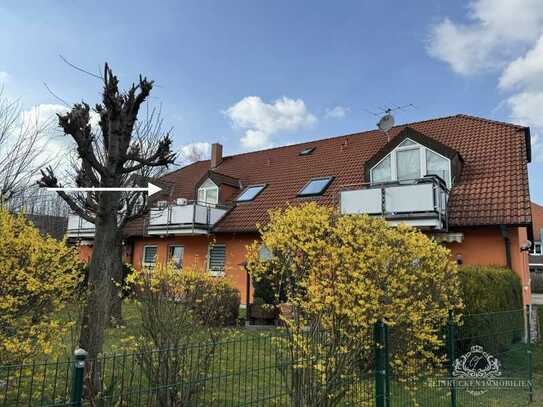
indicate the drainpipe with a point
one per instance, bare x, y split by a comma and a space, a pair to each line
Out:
507, 243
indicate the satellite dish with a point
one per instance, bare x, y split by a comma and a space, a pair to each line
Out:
386, 122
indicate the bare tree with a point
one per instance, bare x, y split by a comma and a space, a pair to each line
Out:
121, 152
22, 142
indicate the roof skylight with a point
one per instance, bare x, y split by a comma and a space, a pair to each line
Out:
250, 193
307, 151
315, 186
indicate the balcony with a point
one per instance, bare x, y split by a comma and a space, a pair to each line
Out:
421, 202
79, 227
192, 218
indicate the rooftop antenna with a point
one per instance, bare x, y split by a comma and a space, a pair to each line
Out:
386, 123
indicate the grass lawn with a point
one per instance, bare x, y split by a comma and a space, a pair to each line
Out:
244, 369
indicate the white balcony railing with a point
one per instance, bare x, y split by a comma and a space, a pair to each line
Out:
79, 227
421, 202
190, 218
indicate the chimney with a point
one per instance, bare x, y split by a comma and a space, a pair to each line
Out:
216, 155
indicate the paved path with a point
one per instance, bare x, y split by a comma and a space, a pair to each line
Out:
537, 299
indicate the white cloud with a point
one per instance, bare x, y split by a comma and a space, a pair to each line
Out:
194, 152
527, 109
525, 70
41, 116
505, 36
262, 120
337, 112
4, 77
496, 32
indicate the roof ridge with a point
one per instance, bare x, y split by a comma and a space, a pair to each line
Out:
484, 119
336, 137
515, 126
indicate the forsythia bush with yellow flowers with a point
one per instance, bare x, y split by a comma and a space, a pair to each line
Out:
38, 276
341, 275
182, 315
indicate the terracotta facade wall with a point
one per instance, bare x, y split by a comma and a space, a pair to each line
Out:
482, 246
195, 254
486, 247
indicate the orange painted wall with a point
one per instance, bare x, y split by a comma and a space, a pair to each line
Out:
85, 252
481, 246
485, 247
195, 253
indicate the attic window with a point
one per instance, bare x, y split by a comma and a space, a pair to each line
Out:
208, 193
410, 161
250, 193
307, 151
315, 186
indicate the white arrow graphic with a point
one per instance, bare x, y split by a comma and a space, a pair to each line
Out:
151, 189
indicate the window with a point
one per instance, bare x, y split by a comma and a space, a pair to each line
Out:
149, 256
175, 255
409, 161
250, 193
407, 143
382, 172
408, 164
536, 248
437, 165
315, 186
208, 193
307, 151
215, 259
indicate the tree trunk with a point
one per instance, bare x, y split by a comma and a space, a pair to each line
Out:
105, 260
116, 315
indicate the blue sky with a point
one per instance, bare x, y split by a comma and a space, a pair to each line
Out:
251, 74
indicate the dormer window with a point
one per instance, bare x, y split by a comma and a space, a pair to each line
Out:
411, 161
208, 193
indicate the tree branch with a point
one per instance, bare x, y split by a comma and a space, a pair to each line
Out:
49, 180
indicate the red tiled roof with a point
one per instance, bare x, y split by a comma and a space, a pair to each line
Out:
492, 189
537, 218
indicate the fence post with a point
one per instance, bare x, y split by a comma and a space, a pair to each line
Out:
529, 351
451, 343
78, 376
387, 367
380, 363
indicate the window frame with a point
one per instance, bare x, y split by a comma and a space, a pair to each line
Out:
143, 262
261, 186
169, 257
422, 162
535, 252
216, 273
205, 190
313, 179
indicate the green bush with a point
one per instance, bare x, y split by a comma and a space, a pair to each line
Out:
493, 313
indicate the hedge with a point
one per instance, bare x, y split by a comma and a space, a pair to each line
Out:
493, 314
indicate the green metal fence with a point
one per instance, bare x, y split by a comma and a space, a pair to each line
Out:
250, 370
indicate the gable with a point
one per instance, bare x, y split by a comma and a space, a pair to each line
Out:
409, 136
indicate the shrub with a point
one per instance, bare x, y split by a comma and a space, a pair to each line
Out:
126, 288
38, 277
181, 316
490, 289
266, 291
341, 275
493, 308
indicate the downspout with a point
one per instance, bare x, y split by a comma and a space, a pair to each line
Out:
507, 243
